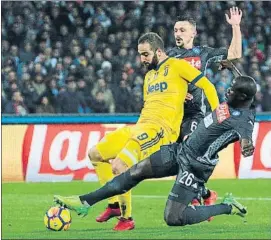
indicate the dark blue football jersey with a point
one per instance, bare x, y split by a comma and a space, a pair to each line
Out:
199, 57
216, 131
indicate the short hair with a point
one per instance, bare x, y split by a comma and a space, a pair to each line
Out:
186, 18
246, 85
153, 39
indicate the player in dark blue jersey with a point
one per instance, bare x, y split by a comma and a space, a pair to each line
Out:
199, 57
193, 161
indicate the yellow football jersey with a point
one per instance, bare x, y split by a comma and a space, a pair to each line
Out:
165, 89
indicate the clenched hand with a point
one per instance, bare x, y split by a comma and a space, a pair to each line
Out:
247, 147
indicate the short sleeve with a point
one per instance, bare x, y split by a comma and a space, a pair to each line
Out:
245, 129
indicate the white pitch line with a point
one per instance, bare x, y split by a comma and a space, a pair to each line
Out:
238, 198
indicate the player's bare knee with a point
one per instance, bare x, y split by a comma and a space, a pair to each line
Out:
94, 155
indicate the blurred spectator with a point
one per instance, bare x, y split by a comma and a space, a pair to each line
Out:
137, 101
3, 100
83, 88
266, 96
258, 100
39, 85
27, 54
106, 71
45, 44
52, 92
99, 104
16, 105
64, 37
107, 95
9, 83
30, 94
70, 100
123, 98
45, 106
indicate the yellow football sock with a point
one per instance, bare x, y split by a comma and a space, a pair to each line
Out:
125, 201
129, 155
104, 173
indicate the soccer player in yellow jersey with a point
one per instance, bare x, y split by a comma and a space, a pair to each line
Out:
165, 89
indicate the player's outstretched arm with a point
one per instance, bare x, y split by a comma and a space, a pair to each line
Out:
194, 76
230, 65
234, 19
209, 90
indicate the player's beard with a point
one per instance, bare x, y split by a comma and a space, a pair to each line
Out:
153, 63
179, 42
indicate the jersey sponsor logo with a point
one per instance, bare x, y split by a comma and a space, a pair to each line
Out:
222, 112
196, 50
157, 87
236, 113
194, 61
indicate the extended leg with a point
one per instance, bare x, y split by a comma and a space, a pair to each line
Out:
178, 213
153, 167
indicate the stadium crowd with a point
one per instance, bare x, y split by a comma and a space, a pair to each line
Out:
81, 57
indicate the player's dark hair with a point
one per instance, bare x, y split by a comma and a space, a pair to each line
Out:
246, 85
187, 18
153, 39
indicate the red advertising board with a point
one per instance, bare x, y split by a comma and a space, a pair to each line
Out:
258, 165
59, 152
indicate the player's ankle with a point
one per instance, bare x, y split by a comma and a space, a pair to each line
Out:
207, 194
84, 201
127, 218
114, 205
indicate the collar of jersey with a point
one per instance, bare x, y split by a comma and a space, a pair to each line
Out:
240, 108
159, 65
188, 48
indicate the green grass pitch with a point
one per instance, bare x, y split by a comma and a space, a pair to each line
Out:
24, 205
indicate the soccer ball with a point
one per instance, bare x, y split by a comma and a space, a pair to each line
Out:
57, 219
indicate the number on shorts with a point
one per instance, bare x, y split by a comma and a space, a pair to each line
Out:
187, 178
143, 136
194, 126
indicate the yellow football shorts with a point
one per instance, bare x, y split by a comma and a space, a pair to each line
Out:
149, 138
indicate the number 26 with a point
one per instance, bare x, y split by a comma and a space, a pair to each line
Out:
187, 178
